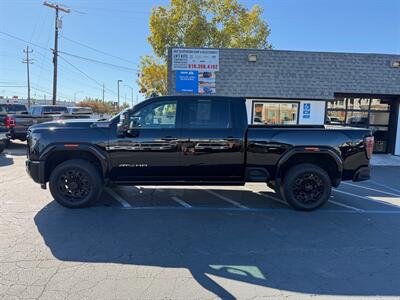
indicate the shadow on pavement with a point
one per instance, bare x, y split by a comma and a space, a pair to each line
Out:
5, 160
16, 148
316, 253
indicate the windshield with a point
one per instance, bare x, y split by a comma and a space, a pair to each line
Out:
81, 110
11, 108
55, 109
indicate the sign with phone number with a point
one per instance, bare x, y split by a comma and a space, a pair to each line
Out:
195, 59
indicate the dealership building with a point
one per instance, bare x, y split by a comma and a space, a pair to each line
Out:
298, 87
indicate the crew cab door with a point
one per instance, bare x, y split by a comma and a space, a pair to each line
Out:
211, 141
149, 151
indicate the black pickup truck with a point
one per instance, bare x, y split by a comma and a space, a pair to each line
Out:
194, 140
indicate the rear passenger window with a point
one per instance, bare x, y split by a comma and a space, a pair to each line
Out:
206, 114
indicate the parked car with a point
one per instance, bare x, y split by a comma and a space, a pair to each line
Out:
17, 120
194, 140
3, 140
80, 111
46, 113
3, 129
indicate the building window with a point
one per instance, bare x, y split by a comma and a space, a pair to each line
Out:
275, 113
365, 112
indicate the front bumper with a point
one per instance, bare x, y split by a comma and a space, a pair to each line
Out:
363, 173
36, 170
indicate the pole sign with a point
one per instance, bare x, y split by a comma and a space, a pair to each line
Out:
306, 110
205, 60
187, 81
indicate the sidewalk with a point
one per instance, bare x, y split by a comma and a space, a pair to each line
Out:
385, 160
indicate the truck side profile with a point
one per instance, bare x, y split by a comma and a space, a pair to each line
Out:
187, 140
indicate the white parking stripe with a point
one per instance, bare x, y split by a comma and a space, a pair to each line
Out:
346, 206
117, 197
283, 202
233, 202
181, 202
383, 185
371, 189
267, 196
367, 198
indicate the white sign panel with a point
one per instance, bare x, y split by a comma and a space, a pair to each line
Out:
195, 59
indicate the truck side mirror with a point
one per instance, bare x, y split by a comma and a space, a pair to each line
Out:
123, 124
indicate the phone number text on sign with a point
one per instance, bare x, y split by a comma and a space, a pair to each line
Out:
195, 59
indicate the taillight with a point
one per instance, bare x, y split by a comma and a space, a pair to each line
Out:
10, 122
369, 145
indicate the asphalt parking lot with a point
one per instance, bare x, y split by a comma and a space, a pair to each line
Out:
174, 242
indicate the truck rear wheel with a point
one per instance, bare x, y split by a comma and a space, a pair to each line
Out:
75, 183
306, 187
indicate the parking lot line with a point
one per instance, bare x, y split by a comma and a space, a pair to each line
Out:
233, 202
181, 202
366, 198
117, 197
346, 206
384, 185
267, 196
371, 189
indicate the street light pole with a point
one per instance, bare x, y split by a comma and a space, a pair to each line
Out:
76, 93
118, 82
131, 92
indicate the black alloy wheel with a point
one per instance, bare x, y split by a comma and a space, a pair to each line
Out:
306, 187
75, 183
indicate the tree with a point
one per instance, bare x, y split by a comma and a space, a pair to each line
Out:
153, 77
199, 23
98, 106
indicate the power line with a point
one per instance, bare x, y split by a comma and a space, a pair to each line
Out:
70, 54
98, 61
22, 40
86, 75
95, 49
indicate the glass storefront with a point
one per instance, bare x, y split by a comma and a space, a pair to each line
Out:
274, 113
366, 112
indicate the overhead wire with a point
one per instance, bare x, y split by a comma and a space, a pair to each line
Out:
95, 49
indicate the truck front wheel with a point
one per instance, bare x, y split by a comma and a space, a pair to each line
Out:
75, 183
306, 187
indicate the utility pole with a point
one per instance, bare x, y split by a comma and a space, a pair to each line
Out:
103, 92
28, 61
118, 82
55, 50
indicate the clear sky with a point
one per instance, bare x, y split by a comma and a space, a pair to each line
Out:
120, 28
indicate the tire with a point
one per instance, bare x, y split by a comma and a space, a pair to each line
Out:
2, 146
306, 187
76, 183
274, 186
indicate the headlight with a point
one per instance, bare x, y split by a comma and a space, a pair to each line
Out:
33, 143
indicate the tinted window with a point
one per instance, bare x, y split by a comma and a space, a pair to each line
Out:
14, 107
206, 114
155, 115
54, 109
